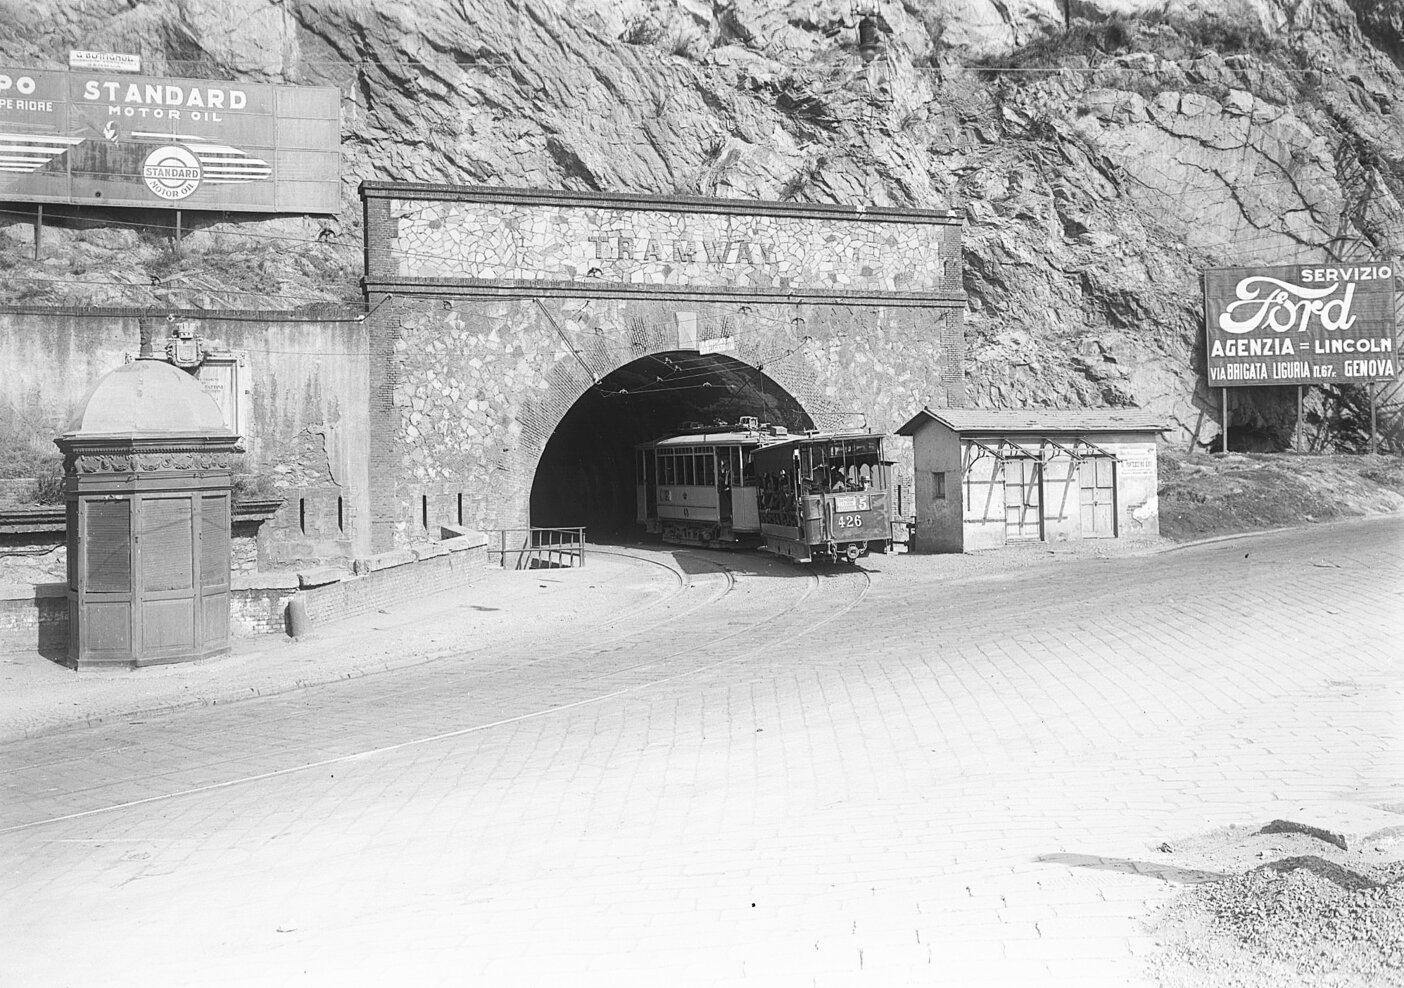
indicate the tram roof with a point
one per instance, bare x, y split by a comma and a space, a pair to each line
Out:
817, 438
732, 438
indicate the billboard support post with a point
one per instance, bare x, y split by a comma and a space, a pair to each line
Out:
38, 230
178, 231
1223, 444
1373, 385
1297, 433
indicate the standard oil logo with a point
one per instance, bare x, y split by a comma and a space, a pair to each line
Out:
171, 172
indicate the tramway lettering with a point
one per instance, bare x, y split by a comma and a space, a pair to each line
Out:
618, 247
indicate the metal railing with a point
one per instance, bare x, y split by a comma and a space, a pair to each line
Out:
538, 548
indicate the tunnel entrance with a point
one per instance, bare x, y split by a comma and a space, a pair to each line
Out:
586, 473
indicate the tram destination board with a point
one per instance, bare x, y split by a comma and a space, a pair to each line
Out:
114, 139
1330, 323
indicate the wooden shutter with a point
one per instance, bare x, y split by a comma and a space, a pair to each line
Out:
214, 541
108, 549
167, 538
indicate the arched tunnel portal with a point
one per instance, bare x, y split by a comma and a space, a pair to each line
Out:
586, 472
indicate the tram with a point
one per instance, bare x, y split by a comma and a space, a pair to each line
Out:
811, 496
699, 488
824, 496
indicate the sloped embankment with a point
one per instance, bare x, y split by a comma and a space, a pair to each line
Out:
1203, 495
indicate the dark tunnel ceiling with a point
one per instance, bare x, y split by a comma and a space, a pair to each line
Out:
586, 473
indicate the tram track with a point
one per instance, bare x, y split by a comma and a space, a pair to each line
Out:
529, 653
721, 641
683, 582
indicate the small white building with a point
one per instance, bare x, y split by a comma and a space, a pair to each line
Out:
987, 478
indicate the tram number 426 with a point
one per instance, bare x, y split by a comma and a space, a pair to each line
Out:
848, 521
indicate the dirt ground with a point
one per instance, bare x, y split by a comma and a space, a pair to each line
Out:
1286, 908
1203, 495
1283, 908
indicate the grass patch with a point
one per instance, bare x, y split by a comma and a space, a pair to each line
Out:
1087, 41
1203, 495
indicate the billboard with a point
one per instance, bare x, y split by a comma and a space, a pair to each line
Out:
1300, 324
111, 139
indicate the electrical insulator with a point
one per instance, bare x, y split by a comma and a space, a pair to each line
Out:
868, 41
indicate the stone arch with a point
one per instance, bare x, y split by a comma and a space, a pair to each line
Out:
585, 473
494, 310
755, 341
467, 391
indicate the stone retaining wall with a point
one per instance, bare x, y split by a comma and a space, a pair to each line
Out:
35, 618
394, 577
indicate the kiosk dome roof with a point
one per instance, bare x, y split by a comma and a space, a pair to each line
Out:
146, 398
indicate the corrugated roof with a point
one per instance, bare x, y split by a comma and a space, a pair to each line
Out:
1034, 420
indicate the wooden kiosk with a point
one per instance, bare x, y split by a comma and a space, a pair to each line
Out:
147, 459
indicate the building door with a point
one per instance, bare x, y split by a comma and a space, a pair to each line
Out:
1097, 480
1023, 510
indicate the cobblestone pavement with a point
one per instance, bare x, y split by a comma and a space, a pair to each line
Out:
880, 776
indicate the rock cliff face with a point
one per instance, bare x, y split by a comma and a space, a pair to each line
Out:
1104, 151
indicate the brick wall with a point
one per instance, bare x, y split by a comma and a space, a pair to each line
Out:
258, 611
396, 577
34, 618
37, 617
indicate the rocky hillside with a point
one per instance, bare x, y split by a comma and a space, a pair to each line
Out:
1104, 151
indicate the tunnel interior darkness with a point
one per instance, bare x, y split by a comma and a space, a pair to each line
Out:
586, 473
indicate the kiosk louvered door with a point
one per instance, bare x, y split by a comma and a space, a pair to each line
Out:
167, 567
106, 567
214, 569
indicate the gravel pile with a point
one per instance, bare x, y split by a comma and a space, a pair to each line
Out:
1300, 920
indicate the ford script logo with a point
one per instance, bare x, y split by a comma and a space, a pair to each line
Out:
1269, 304
171, 172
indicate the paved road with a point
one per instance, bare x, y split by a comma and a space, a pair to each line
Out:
771, 778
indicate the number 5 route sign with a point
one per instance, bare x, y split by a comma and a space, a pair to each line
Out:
1300, 324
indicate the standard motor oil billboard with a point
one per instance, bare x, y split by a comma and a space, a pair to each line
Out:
125, 140
1300, 324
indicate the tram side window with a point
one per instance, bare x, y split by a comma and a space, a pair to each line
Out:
665, 463
709, 464
686, 465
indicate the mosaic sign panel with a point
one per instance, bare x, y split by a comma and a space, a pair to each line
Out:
1300, 324
122, 140
873, 252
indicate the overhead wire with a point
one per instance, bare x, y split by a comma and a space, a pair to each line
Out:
1184, 190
